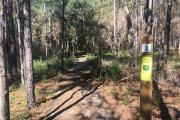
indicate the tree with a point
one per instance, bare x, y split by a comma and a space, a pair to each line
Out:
148, 16
11, 42
62, 33
4, 96
46, 20
20, 36
28, 55
167, 30
114, 25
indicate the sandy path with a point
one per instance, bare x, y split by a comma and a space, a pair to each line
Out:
78, 97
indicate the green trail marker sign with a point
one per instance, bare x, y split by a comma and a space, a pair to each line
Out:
146, 68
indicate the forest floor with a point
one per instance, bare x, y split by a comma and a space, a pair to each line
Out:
76, 96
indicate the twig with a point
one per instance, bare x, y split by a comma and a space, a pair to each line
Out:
128, 77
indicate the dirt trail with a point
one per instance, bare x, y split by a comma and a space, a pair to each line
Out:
78, 97
72, 92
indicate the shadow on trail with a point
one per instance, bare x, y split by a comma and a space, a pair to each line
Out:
79, 76
177, 115
100, 117
66, 89
163, 108
55, 112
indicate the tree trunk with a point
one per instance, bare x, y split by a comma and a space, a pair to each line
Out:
114, 27
137, 32
46, 27
148, 16
62, 37
167, 31
28, 55
21, 42
4, 96
11, 42
20, 36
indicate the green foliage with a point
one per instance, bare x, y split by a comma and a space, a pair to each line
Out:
69, 62
108, 55
126, 97
40, 69
23, 116
175, 61
93, 66
49, 92
90, 57
15, 85
115, 71
47, 69
156, 101
125, 100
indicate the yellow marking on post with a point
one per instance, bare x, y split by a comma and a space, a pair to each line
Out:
146, 68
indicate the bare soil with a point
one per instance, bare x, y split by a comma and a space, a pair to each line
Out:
75, 96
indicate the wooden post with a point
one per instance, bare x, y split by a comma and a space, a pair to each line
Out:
146, 77
146, 64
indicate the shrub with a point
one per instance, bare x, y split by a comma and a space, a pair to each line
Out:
40, 68
47, 69
126, 97
69, 62
114, 71
23, 116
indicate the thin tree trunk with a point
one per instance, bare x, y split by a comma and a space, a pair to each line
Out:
62, 37
20, 37
148, 17
114, 24
28, 55
4, 96
46, 20
167, 31
137, 32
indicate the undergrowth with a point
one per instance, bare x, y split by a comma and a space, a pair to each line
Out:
46, 69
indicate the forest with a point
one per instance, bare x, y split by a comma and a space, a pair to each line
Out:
89, 59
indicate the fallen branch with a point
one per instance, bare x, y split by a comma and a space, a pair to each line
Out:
123, 79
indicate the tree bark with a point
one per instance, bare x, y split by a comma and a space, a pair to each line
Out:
148, 16
46, 27
20, 37
11, 42
114, 27
62, 36
167, 31
28, 55
4, 96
